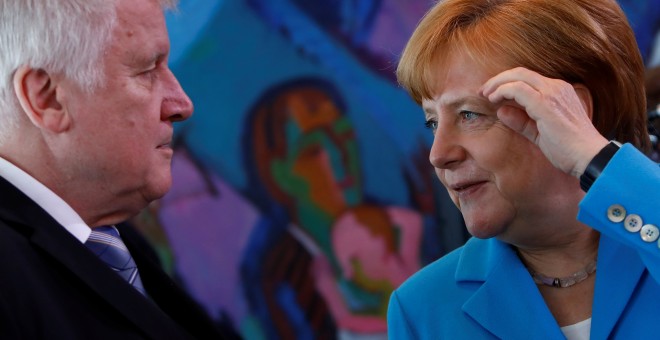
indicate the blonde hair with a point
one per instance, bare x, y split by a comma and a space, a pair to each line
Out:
579, 41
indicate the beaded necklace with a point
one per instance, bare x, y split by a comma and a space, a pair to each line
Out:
564, 282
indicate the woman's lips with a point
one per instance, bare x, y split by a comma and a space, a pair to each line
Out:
466, 189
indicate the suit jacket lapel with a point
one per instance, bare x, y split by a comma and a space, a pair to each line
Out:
610, 299
45, 233
508, 303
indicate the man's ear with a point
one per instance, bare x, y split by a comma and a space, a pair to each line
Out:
37, 94
585, 97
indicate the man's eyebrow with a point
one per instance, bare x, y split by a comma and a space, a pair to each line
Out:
142, 60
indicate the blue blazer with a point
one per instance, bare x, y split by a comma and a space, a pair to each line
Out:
483, 291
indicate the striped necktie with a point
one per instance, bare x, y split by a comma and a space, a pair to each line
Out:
106, 243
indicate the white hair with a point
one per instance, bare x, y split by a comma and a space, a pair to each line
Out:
66, 37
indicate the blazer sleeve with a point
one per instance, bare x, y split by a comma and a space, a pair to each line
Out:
631, 181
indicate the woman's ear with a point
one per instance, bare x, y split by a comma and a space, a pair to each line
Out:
585, 97
37, 94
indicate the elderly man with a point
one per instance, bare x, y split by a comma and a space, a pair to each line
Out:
87, 104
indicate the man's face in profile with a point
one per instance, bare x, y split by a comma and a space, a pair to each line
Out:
124, 129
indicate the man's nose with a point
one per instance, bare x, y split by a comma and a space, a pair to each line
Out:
176, 105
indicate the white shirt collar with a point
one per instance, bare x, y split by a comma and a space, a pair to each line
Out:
46, 199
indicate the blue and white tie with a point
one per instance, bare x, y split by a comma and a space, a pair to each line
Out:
106, 243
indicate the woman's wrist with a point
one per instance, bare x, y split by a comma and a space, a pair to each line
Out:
587, 152
597, 164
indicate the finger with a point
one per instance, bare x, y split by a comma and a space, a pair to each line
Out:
517, 120
532, 78
521, 93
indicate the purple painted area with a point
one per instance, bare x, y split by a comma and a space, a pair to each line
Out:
208, 225
393, 25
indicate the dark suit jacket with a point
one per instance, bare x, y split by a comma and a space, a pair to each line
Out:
52, 287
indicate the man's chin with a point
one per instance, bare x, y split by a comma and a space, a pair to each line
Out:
157, 189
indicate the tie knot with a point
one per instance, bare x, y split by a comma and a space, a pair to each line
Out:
105, 235
107, 229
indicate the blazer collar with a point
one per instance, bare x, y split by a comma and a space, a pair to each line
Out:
508, 303
45, 233
498, 306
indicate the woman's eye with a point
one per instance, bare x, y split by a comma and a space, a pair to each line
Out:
469, 115
431, 125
